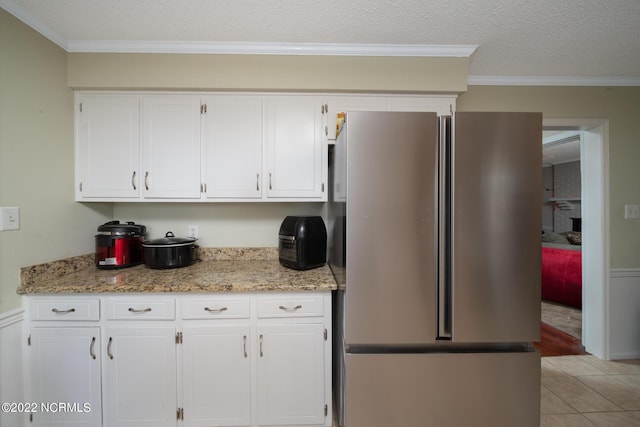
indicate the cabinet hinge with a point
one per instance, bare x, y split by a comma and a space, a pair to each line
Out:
326, 410
29, 340
325, 334
180, 414
178, 337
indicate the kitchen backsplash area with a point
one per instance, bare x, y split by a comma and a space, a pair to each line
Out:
219, 224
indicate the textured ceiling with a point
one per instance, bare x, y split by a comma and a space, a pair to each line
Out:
592, 40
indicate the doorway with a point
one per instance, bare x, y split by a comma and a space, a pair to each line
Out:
594, 162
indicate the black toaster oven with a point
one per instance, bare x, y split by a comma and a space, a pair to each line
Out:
302, 242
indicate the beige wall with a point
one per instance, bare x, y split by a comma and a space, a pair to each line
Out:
36, 137
36, 157
267, 72
621, 106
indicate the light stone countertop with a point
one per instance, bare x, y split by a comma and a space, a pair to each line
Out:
215, 273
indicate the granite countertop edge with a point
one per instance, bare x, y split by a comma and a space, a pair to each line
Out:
217, 271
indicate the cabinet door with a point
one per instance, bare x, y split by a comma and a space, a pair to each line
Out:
296, 156
140, 376
65, 367
171, 147
291, 374
443, 105
232, 146
107, 146
217, 376
340, 104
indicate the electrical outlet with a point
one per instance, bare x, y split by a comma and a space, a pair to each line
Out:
193, 231
631, 211
9, 219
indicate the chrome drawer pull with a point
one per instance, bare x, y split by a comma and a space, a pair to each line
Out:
142, 310
91, 352
297, 307
216, 310
109, 348
244, 345
56, 311
261, 353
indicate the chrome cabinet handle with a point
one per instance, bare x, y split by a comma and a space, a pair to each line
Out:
244, 345
139, 310
146, 180
133, 180
70, 310
261, 353
297, 307
270, 186
216, 310
91, 352
109, 348
257, 182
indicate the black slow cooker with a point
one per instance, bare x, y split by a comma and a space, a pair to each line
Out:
119, 245
170, 252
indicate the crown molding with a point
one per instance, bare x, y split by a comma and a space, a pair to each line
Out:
475, 80
240, 48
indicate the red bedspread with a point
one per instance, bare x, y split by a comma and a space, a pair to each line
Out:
562, 276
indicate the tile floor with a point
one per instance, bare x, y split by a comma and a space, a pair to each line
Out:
584, 391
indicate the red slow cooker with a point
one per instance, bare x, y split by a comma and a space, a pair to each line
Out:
119, 245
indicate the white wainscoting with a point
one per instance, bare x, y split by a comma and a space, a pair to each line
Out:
624, 314
11, 367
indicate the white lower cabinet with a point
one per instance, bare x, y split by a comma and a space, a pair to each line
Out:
216, 375
176, 360
65, 376
291, 374
140, 376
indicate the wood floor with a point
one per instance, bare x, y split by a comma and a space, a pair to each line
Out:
554, 342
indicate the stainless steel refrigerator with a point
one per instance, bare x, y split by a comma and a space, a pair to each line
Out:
435, 244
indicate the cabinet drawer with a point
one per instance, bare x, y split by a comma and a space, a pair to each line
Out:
65, 309
148, 309
291, 306
216, 308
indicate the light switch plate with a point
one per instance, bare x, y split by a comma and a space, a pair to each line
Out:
631, 211
9, 219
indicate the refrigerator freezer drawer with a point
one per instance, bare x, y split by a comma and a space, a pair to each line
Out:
442, 390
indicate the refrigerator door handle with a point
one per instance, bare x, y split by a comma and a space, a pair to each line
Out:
445, 188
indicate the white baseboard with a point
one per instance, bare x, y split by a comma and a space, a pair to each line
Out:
624, 313
11, 367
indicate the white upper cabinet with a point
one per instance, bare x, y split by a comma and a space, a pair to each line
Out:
216, 147
296, 164
339, 104
443, 104
332, 105
107, 146
232, 147
171, 147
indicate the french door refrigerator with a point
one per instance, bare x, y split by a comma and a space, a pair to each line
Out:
435, 245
